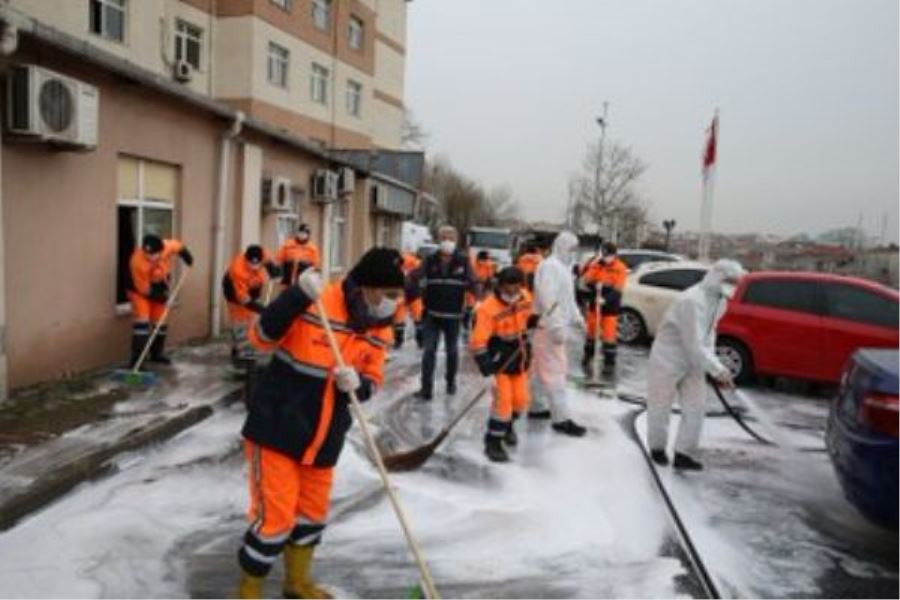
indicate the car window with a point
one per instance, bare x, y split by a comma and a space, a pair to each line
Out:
634, 260
799, 296
844, 301
673, 279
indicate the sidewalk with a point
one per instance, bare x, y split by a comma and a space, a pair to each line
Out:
55, 436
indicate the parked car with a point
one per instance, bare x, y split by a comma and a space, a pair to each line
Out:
633, 259
648, 294
804, 325
862, 434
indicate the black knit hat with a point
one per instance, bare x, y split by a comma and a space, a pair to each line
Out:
254, 253
304, 228
510, 275
152, 244
609, 249
483, 255
380, 268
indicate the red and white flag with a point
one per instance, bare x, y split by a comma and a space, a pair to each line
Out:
709, 155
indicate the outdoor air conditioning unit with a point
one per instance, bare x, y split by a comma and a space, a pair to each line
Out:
347, 181
45, 106
276, 195
325, 185
377, 196
183, 71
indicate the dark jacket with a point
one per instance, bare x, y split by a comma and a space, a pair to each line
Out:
442, 285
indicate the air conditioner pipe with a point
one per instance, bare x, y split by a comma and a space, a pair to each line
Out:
218, 270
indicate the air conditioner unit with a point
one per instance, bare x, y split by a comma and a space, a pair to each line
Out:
325, 185
377, 196
45, 106
183, 71
347, 181
276, 195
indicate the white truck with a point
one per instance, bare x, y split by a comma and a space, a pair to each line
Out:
496, 240
413, 236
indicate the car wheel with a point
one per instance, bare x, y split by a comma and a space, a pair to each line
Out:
736, 357
632, 329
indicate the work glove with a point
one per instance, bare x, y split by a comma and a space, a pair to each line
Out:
186, 256
533, 321
273, 270
486, 364
346, 379
310, 283
159, 291
256, 306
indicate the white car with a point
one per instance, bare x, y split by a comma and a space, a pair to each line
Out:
649, 292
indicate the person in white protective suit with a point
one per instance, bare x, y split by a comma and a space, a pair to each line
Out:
683, 354
554, 285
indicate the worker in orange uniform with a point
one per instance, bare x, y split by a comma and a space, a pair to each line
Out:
528, 262
485, 270
609, 274
149, 291
501, 329
242, 286
296, 255
298, 415
410, 263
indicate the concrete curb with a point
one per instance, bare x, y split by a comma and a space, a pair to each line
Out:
57, 482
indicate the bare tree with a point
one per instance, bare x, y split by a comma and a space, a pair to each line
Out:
602, 196
464, 203
412, 135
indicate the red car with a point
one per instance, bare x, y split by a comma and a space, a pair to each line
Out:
804, 325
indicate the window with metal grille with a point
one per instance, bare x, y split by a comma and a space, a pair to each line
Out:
321, 13
107, 19
355, 33
278, 60
354, 98
319, 84
188, 43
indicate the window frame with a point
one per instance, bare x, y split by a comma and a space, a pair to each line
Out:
354, 98
277, 57
340, 217
321, 14
673, 272
318, 81
100, 28
829, 287
140, 203
182, 39
356, 24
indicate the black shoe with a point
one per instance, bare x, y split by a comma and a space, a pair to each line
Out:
686, 463
494, 450
451, 388
539, 414
511, 438
659, 457
570, 427
424, 395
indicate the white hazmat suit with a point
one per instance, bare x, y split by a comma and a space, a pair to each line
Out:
683, 353
554, 285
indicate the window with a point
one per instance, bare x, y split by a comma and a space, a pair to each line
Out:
784, 294
674, 279
108, 19
355, 33
285, 226
354, 97
188, 42
843, 301
319, 84
147, 194
278, 65
338, 250
321, 13
283, 4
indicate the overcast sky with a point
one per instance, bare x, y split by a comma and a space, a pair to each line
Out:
807, 91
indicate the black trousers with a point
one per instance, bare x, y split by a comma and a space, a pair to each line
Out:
431, 333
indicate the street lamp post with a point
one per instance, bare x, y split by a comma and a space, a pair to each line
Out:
668, 225
598, 201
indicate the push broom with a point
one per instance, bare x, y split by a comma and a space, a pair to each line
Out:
595, 381
134, 376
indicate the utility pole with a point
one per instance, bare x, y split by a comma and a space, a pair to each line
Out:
668, 225
598, 201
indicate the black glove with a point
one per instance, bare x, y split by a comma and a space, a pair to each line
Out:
533, 321
399, 336
186, 256
256, 306
273, 270
159, 291
486, 364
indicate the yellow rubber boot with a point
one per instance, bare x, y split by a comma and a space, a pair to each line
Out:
250, 586
298, 581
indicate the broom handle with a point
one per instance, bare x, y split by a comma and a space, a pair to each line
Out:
427, 581
597, 313
161, 322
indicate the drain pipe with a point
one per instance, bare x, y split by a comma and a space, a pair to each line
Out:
218, 231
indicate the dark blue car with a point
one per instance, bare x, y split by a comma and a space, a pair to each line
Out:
862, 434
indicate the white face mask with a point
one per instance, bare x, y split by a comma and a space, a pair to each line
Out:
302, 237
510, 299
608, 260
728, 290
448, 246
384, 309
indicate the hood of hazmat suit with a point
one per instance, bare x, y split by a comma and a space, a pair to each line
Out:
553, 284
685, 342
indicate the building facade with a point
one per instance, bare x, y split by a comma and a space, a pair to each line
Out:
213, 121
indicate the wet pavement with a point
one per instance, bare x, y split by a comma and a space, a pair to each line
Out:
566, 518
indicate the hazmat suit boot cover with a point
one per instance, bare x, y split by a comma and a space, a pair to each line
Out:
250, 586
494, 450
298, 581
686, 463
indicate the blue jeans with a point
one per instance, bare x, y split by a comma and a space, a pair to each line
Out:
432, 330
